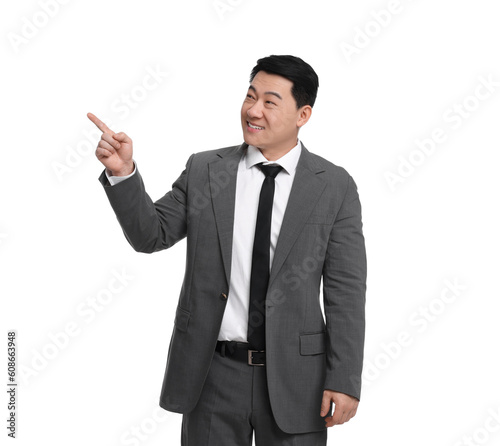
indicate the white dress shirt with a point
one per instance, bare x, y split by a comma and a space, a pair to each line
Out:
248, 185
249, 181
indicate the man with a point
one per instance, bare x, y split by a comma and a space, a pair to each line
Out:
265, 221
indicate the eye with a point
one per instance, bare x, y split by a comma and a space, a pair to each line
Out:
270, 102
249, 96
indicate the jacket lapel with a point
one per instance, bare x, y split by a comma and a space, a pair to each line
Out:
222, 177
307, 187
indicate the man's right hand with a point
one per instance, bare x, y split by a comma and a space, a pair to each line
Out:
114, 150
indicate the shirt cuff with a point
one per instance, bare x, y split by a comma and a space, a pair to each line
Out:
115, 180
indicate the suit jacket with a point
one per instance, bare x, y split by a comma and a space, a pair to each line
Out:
321, 238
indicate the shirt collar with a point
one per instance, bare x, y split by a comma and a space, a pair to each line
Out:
288, 161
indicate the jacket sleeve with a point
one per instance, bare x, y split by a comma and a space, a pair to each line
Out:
344, 288
149, 226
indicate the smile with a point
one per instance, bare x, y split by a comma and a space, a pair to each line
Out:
254, 126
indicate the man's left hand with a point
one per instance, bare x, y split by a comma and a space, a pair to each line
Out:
345, 407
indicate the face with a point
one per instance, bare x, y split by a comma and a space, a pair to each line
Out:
269, 114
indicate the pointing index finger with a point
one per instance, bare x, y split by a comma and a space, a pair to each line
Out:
100, 125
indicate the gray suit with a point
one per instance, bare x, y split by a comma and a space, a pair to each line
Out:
321, 238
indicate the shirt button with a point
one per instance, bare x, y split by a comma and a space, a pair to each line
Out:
223, 296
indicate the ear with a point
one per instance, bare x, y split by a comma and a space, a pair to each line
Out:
303, 115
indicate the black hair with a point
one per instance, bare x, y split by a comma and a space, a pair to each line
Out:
304, 78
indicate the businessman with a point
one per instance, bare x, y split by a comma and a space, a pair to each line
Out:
266, 223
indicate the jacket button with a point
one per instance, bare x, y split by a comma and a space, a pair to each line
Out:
223, 296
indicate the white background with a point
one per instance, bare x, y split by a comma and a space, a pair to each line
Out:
429, 380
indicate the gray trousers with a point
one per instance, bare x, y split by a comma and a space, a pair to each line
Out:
234, 404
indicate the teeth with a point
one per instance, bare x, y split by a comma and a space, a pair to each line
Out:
255, 127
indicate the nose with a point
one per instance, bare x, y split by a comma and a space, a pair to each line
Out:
255, 111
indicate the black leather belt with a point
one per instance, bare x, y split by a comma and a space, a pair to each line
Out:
241, 352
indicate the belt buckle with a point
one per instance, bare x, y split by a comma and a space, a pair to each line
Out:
250, 357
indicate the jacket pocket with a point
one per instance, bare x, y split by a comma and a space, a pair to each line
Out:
182, 319
312, 343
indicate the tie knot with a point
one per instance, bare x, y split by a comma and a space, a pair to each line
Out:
270, 171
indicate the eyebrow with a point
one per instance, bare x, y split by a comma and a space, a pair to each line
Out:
266, 92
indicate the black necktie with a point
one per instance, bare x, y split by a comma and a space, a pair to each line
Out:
260, 261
